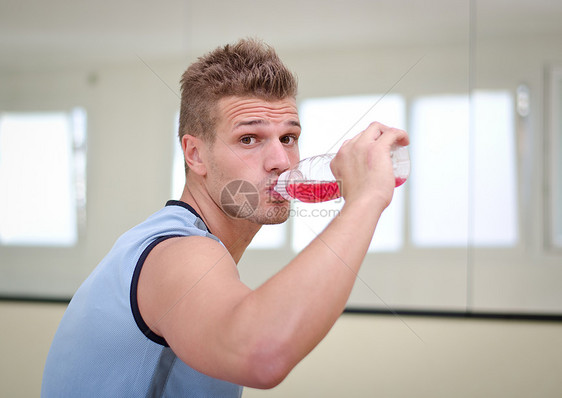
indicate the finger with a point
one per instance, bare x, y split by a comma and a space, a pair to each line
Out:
394, 136
371, 133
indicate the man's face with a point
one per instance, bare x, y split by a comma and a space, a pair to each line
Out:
255, 142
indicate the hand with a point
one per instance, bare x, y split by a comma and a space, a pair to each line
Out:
363, 165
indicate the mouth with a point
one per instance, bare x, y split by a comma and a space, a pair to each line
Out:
273, 195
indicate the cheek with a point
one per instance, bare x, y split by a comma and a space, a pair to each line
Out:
294, 156
224, 160
227, 168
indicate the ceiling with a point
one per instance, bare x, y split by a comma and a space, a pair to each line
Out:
42, 34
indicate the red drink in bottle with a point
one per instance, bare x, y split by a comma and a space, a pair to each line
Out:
311, 180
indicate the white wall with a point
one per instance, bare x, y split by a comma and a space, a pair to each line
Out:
362, 356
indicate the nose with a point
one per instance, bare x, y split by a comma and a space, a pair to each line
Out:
276, 158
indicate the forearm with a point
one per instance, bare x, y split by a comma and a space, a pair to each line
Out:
297, 307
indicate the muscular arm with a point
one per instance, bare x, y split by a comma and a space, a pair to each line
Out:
190, 293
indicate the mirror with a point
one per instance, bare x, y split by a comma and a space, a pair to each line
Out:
476, 83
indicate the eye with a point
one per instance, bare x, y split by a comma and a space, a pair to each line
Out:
288, 139
248, 140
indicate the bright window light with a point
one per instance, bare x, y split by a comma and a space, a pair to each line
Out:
42, 177
178, 166
458, 199
439, 175
495, 170
269, 237
326, 123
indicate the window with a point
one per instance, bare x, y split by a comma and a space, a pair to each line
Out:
178, 166
463, 190
42, 177
326, 123
456, 196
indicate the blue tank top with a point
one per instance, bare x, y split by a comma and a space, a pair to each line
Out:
103, 347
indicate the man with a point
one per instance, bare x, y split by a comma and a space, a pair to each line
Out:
165, 314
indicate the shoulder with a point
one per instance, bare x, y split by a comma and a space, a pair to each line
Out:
176, 268
186, 250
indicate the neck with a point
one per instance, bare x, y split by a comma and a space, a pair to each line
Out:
235, 234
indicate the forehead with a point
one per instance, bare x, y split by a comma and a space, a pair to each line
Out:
233, 110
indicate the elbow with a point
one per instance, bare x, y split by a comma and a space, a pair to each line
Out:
268, 365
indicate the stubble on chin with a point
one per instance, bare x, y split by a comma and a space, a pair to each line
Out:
271, 214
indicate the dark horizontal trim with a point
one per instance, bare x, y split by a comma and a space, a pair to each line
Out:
36, 299
511, 316
515, 316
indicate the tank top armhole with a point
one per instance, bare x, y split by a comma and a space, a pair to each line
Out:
141, 324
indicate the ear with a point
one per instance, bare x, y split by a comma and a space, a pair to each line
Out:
193, 149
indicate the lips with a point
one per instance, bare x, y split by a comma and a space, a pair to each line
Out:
273, 195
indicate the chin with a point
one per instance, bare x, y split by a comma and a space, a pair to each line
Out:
277, 213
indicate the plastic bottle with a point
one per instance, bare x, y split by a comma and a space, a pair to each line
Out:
312, 181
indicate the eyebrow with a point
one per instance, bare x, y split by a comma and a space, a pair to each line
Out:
257, 122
